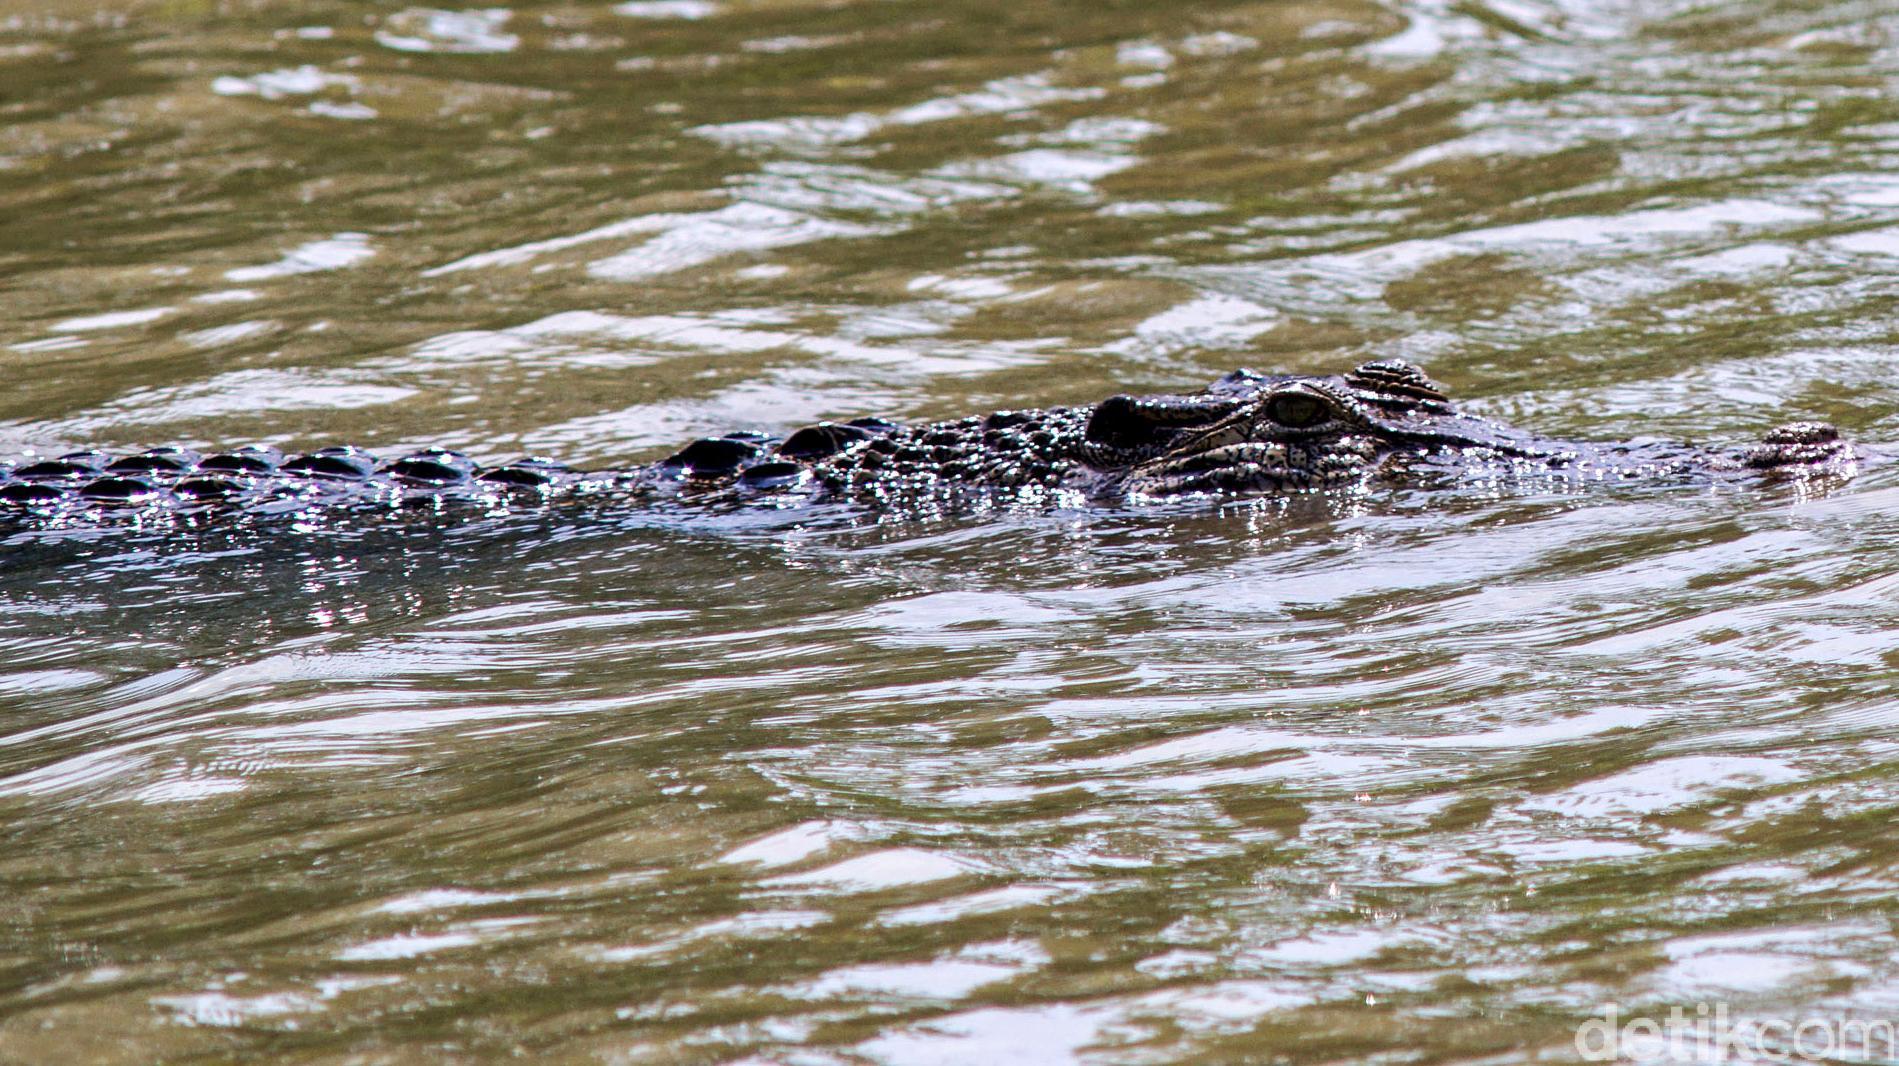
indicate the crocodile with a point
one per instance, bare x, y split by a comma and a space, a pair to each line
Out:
1246, 434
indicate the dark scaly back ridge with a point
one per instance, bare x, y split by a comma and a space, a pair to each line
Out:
1124, 430
1395, 384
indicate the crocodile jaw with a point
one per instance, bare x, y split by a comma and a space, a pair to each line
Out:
1256, 468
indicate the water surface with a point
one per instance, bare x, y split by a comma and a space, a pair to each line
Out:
1393, 776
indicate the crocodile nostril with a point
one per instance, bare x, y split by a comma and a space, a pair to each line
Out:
1802, 433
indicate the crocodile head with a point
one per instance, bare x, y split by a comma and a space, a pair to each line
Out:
1260, 434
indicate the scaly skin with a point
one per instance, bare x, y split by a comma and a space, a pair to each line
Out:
1248, 434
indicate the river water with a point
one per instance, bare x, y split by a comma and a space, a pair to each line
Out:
1400, 776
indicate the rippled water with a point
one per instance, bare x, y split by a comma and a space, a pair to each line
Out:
1397, 777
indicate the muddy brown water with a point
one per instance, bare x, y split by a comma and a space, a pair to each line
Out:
1390, 776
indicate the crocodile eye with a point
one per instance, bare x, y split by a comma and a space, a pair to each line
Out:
1296, 410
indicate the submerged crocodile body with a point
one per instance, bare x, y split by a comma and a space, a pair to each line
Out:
1247, 434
